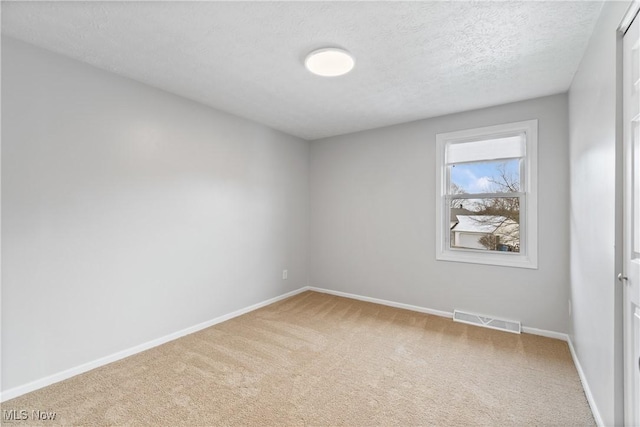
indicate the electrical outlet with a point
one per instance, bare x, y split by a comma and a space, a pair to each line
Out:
285, 274
569, 307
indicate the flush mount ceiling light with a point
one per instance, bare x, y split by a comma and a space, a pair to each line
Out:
329, 62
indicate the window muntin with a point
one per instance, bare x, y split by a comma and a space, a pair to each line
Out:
487, 201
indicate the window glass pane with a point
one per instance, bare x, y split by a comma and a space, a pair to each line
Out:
502, 176
491, 224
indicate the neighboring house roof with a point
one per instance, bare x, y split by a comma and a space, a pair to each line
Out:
481, 223
454, 215
459, 211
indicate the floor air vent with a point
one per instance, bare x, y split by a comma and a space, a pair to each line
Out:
487, 322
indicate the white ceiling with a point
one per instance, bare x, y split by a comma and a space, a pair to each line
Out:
413, 59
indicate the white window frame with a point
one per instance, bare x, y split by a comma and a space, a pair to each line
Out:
528, 255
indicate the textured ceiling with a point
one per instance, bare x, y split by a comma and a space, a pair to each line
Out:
413, 59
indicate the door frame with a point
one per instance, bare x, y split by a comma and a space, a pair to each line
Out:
621, 194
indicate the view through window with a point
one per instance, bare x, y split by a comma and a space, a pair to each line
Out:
492, 220
487, 195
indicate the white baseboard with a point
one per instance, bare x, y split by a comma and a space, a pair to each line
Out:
527, 330
585, 385
60, 376
544, 333
383, 302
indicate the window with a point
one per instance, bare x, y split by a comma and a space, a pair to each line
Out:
486, 195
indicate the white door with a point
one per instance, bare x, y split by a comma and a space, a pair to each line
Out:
630, 276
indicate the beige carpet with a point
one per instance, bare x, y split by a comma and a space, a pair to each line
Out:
317, 359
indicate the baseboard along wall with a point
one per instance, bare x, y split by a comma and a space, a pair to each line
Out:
68, 373
585, 385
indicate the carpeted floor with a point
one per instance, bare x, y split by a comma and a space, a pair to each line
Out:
316, 359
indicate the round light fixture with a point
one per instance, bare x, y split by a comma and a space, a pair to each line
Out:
329, 62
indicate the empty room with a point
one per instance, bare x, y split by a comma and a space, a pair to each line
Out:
421, 213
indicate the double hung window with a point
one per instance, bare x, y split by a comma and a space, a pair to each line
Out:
487, 195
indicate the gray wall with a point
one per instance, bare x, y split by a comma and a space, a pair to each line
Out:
372, 225
595, 322
129, 213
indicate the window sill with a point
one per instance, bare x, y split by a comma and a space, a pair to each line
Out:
500, 260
